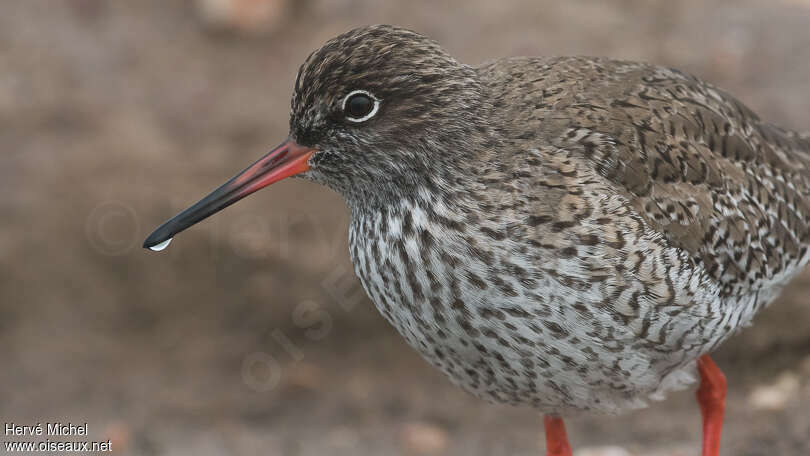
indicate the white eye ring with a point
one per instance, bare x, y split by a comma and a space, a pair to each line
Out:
371, 114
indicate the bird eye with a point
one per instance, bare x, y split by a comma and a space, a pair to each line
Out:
360, 106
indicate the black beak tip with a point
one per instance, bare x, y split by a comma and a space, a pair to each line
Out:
157, 237
150, 241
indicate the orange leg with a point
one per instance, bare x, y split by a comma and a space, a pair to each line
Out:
711, 396
556, 438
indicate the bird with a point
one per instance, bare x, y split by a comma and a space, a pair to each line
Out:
572, 234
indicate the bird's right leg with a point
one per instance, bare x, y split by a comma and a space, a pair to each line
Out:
711, 396
556, 438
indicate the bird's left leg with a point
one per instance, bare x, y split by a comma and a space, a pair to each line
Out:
556, 438
711, 396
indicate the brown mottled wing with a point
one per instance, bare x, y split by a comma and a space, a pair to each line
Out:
699, 166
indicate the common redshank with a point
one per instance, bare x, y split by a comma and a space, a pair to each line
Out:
569, 233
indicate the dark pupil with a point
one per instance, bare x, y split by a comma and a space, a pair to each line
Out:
359, 105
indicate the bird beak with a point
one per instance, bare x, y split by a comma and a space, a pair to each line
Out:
288, 159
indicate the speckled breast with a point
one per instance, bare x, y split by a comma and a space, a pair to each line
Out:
517, 323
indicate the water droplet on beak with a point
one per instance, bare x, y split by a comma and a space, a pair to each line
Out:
161, 246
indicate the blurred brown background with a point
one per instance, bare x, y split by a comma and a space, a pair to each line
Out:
250, 334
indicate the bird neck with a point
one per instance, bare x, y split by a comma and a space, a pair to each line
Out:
399, 191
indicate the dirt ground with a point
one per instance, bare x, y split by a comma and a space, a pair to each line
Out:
251, 335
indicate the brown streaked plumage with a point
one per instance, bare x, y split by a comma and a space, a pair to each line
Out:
567, 233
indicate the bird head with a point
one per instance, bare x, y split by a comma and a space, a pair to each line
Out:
376, 112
